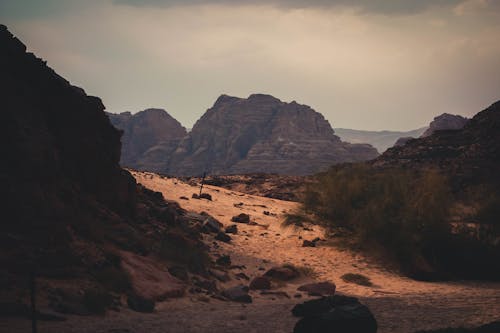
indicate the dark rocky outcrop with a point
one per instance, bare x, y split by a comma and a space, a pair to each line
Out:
445, 121
149, 137
69, 211
334, 314
470, 155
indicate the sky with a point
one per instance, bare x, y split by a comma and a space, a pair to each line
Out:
367, 64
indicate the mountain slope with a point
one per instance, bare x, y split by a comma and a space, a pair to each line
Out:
145, 130
261, 134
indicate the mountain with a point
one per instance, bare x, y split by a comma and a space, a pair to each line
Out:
445, 121
145, 133
378, 139
261, 134
70, 214
469, 155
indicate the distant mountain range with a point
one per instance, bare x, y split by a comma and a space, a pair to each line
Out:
381, 140
236, 136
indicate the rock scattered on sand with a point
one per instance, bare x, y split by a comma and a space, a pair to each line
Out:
241, 218
308, 243
319, 288
212, 224
238, 294
223, 237
232, 229
260, 283
283, 273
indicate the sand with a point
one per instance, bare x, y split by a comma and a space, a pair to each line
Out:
398, 303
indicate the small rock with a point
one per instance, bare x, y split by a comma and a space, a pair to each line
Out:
179, 272
223, 237
232, 229
220, 275
266, 212
260, 283
283, 273
184, 198
205, 196
238, 294
241, 218
212, 224
307, 243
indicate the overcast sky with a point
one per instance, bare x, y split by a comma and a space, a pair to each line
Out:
379, 64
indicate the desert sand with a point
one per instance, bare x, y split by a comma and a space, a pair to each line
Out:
398, 303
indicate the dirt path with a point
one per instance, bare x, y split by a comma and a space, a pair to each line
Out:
398, 303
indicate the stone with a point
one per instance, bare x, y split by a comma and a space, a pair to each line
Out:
283, 273
241, 218
445, 121
205, 196
260, 283
212, 224
318, 288
232, 229
238, 294
308, 243
223, 237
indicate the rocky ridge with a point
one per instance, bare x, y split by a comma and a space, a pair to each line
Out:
147, 136
258, 134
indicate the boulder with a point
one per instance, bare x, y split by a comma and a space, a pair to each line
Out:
212, 224
241, 218
238, 294
319, 288
223, 237
260, 283
232, 229
283, 273
308, 243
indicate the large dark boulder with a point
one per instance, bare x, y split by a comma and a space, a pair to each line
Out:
338, 314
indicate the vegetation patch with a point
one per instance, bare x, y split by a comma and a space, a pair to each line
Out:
357, 279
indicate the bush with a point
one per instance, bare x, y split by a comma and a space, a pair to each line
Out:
402, 212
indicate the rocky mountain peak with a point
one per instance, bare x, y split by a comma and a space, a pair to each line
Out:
445, 121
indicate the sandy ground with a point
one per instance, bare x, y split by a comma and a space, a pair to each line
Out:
399, 304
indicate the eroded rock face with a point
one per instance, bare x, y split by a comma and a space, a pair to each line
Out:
149, 138
445, 121
262, 134
470, 155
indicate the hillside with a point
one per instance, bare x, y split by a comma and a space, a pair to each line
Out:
147, 134
257, 134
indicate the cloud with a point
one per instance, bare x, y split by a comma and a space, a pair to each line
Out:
387, 7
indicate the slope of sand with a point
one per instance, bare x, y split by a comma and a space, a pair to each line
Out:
398, 303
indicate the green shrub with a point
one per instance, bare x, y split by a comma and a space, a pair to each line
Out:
403, 212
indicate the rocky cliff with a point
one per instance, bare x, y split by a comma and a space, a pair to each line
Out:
470, 155
261, 134
147, 136
445, 121
68, 209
